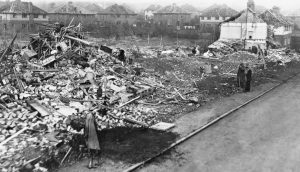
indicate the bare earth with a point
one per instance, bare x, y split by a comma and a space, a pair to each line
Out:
263, 136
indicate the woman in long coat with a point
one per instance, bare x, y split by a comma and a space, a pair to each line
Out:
91, 136
241, 76
248, 79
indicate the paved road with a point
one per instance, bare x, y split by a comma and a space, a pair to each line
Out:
261, 137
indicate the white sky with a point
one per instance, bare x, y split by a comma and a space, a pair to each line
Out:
285, 5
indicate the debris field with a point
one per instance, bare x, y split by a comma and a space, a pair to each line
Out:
48, 87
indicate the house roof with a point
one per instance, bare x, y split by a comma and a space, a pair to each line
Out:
71, 8
188, 7
219, 10
153, 8
275, 18
259, 9
172, 9
117, 9
248, 17
92, 7
18, 6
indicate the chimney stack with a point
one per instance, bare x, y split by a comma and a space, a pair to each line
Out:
251, 5
30, 7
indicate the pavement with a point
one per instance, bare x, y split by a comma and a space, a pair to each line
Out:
262, 136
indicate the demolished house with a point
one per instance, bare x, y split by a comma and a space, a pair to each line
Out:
244, 31
248, 27
281, 27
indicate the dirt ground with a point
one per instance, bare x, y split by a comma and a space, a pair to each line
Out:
263, 136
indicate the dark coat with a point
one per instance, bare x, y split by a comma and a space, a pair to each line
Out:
90, 132
241, 77
248, 80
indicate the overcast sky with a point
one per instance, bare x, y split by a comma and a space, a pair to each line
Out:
285, 5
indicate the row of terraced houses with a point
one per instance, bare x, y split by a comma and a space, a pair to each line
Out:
20, 16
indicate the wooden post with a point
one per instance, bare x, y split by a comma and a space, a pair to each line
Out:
160, 40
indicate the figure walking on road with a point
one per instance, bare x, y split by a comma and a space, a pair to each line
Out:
92, 141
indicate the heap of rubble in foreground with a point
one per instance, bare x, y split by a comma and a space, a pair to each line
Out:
49, 86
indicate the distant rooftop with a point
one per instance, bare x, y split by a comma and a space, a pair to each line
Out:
92, 7
219, 10
117, 9
153, 8
172, 9
190, 8
19, 6
72, 8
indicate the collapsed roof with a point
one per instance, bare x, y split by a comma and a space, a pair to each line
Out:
275, 18
245, 16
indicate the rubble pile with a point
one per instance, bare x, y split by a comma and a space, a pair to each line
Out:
49, 86
283, 55
242, 57
225, 47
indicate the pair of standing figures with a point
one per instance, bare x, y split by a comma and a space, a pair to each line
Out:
244, 77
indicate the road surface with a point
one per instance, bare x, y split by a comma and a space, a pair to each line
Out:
261, 137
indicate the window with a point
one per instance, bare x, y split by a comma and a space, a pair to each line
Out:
36, 16
208, 18
217, 18
24, 15
5, 26
23, 25
44, 16
14, 15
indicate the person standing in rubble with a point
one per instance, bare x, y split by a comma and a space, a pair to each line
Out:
92, 141
248, 72
241, 76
